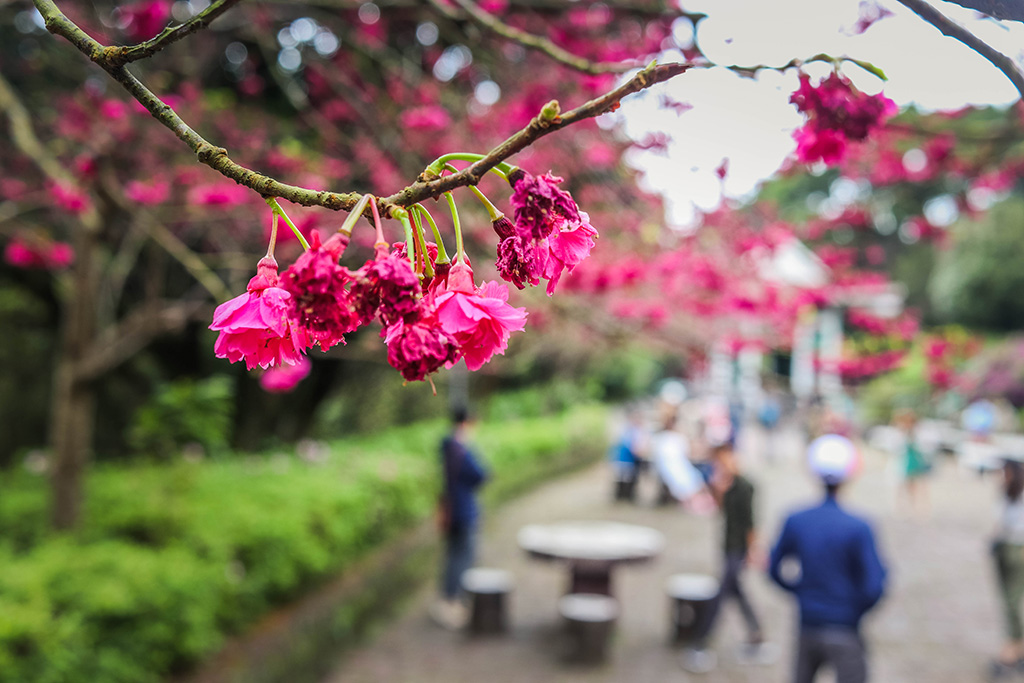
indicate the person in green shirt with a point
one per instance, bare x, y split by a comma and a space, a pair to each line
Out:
735, 497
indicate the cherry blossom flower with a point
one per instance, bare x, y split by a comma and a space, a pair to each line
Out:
419, 347
284, 378
480, 319
256, 327
146, 19
836, 113
320, 302
388, 286
69, 198
567, 248
43, 256
540, 205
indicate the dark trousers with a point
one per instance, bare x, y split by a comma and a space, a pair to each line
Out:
840, 647
1010, 572
731, 588
460, 548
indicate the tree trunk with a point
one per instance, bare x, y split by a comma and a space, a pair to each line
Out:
72, 415
71, 434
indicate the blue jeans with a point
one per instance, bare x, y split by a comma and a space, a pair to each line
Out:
460, 549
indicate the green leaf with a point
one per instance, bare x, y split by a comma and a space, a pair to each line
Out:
869, 67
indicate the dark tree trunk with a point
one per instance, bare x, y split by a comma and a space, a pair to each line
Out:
72, 416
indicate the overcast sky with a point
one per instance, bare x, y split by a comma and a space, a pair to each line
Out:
750, 122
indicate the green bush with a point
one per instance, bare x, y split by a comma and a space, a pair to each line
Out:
183, 413
174, 556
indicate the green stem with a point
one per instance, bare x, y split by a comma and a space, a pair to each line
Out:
460, 253
410, 251
438, 164
442, 253
421, 242
492, 210
276, 208
353, 216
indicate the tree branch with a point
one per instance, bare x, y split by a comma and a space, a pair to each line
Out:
998, 9
528, 40
118, 56
24, 138
549, 120
954, 30
217, 157
132, 334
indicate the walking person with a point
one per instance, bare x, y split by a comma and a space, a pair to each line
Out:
840, 574
459, 514
735, 497
913, 464
1008, 554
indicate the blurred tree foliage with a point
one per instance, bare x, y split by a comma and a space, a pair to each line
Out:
979, 280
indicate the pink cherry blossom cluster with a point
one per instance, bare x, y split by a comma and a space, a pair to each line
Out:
38, 254
432, 312
550, 234
836, 113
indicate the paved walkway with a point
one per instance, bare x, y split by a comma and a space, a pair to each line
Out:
938, 624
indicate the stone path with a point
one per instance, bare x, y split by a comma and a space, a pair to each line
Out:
939, 622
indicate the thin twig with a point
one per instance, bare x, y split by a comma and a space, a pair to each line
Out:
124, 55
954, 30
538, 43
24, 138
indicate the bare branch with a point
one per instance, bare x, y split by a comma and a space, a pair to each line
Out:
493, 23
954, 30
172, 34
24, 138
134, 333
998, 9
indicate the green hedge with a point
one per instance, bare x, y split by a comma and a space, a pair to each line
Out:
173, 557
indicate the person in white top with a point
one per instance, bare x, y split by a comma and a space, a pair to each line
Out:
679, 478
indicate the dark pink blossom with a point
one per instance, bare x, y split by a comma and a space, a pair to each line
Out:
69, 198
813, 145
41, 255
256, 326
540, 205
388, 285
320, 302
420, 346
284, 378
479, 319
522, 261
836, 113
146, 19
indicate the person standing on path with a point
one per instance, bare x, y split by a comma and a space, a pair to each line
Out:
735, 497
840, 574
1008, 554
459, 515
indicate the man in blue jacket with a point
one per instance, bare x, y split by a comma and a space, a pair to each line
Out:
840, 575
462, 475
